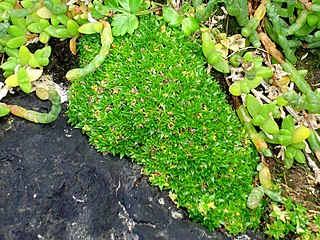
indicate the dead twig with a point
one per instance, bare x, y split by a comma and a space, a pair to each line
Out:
312, 164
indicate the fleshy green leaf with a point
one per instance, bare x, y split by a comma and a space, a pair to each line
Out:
3, 29
270, 126
288, 162
189, 25
131, 5
99, 10
288, 123
301, 133
253, 105
4, 110
265, 177
171, 17
12, 80
185, 8
221, 65
24, 80
290, 152
42, 55
24, 55
33, 62
275, 196
255, 197
16, 42
10, 64
44, 12
112, 5
235, 89
299, 157
124, 23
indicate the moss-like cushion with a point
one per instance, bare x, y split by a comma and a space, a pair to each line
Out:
152, 100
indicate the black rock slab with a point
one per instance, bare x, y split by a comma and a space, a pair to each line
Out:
53, 185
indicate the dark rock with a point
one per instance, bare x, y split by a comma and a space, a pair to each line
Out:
53, 185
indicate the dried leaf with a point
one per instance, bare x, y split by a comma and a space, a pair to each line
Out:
265, 177
73, 45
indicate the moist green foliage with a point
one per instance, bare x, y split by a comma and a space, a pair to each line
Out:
153, 101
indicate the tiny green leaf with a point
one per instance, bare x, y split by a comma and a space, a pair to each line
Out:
10, 64
281, 101
185, 8
208, 47
44, 37
284, 140
32, 62
312, 19
299, 145
265, 72
34, 27
16, 31
258, 120
42, 55
90, 28
288, 123
43, 24
72, 27
290, 152
24, 55
44, 12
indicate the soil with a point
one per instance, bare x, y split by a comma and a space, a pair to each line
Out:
298, 182
53, 185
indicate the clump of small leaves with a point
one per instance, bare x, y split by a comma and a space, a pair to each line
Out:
293, 218
153, 101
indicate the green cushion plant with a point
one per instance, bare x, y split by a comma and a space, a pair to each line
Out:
153, 101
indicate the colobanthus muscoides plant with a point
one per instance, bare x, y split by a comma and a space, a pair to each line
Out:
170, 116
266, 118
